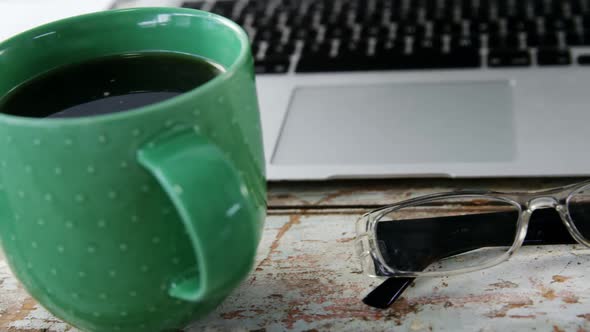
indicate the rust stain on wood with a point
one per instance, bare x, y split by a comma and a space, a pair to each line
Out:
337, 194
502, 312
293, 220
401, 308
12, 316
504, 284
585, 316
352, 308
548, 293
346, 240
522, 316
557, 329
281, 198
545, 291
558, 278
570, 298
241, 313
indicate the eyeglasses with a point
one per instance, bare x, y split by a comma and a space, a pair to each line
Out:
464, 231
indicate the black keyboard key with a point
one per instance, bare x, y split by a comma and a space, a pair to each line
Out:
296, 20
311, 64
464, 58
553, 57
280, 18
511, 41
447, 28
543, 8
423, 59
353, 56
272, 35
264, 23
519, 25
240, 19
354, 49
259, 6
481, 27
557, 24
272, 65
548, 40
387, 55
466, 42
338, 33
427, 54
545, 40
255, 47
532, 39
318, 16
584, 60
509, 58
431, 59
323, 49
193, 5
375, 31
564, 25
575, 39
385, 47
413, 30
434, 44
576, 6
368, 19
336, 20
307, 34
223, 8
280, 49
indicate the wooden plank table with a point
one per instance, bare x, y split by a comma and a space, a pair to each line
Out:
306, 277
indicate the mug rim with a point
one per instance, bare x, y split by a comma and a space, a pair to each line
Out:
138, 111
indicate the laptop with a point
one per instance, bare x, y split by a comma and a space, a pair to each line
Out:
417, 88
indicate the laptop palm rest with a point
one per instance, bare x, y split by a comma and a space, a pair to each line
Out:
398, 123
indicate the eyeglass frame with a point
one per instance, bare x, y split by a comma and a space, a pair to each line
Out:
558, 198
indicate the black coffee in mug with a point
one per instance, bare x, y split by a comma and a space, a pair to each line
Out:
109, 84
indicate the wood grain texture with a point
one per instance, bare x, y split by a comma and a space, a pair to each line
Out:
373, 193
307, 278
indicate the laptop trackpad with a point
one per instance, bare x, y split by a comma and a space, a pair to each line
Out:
398, 123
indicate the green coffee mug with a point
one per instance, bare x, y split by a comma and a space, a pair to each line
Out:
142, 220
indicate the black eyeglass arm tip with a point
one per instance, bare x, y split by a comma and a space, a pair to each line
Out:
387, 293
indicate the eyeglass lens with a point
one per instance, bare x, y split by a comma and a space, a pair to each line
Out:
578, 206
545, 228
447, 235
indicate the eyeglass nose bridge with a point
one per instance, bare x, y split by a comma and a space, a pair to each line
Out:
546, 202
541, 203
530, 206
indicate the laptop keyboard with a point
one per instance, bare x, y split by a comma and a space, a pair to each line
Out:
309, 36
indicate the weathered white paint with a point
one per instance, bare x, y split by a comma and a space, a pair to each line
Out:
306, 278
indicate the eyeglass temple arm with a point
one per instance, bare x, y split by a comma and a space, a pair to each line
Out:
544, 231
387, 293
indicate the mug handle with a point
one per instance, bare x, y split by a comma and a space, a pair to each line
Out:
211, 199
